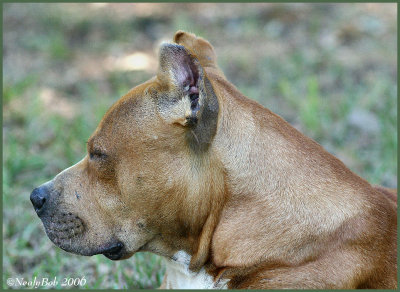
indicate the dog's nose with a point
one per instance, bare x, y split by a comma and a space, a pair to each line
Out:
39, 196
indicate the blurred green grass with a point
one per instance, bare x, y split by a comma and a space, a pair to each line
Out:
329, 69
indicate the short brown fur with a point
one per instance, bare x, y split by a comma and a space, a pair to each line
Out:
227, 181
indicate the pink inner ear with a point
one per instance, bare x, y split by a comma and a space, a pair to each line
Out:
186, 73
185, 70
193, 89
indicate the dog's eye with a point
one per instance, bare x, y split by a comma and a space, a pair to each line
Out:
96, 154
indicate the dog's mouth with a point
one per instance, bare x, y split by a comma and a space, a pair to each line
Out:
66, 231
115, 252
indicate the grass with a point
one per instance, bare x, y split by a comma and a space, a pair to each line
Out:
327, 69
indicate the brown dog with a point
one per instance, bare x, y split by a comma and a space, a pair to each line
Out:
187, 167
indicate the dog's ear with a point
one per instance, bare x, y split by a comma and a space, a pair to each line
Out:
182, 74
189, 99
178, 68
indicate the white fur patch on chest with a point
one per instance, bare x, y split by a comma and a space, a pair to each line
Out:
180, 277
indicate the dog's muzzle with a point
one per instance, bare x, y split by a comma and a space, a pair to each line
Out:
61, 226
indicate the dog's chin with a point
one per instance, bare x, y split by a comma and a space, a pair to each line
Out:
113, 251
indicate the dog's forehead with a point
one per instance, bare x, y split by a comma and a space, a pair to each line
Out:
134, 106
131, 115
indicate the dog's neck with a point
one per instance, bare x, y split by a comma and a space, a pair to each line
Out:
291, 175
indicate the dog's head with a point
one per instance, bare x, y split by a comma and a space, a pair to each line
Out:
147, 163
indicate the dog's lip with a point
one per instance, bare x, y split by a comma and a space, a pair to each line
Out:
114, 252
